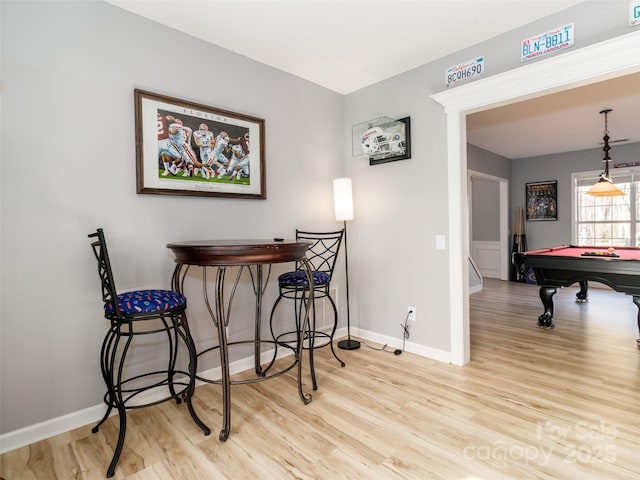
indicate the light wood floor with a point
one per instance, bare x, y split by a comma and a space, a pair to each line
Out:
559, 404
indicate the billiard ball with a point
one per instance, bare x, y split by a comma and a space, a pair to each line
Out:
611, 249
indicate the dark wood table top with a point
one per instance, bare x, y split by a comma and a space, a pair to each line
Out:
238, 252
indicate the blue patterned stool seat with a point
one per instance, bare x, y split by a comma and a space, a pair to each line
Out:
298, 278
146, 301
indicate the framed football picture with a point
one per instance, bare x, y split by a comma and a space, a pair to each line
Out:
186, 148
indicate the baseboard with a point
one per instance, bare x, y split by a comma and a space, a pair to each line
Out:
394, 342
89, 416
41, 431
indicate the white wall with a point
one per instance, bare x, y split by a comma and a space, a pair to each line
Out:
68, 166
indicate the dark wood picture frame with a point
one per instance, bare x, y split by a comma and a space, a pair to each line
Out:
186, 148
542, 200
404, 141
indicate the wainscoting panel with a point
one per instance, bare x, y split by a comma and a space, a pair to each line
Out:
486, 256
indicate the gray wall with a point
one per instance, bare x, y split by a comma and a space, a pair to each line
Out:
485, 223
403, 205
68, 166
485, 195
68, 74
595, 21
484, 161
559, 167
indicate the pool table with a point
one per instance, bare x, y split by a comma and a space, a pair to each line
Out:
567, 264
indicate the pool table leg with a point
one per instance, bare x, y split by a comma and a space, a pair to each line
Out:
583, 294
636, 300
546, 295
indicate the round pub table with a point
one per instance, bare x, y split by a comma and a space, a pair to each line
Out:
220, 254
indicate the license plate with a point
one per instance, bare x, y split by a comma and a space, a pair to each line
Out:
464, 71
546, 43
634, 13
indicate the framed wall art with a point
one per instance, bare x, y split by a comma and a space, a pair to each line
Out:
185, 148
383, 140
394, 142
542, 200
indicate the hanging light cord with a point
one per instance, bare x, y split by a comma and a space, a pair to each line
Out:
606, 148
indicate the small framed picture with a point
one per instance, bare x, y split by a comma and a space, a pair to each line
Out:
388, 142
542, 200
185, 148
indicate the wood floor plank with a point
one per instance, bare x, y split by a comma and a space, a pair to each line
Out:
532, 404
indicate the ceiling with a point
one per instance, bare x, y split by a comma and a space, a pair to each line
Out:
347, 45
561, 122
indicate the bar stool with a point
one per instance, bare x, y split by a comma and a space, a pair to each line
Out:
134, 315
294, 285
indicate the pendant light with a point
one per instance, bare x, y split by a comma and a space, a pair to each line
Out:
604, 187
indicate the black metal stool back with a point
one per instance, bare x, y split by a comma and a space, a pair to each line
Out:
166, 309
109, 292
322, 255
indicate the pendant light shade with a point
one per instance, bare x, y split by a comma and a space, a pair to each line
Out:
605, 187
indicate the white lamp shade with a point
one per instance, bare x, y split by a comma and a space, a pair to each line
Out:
343, 199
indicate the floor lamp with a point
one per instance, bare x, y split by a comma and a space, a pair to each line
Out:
343, 204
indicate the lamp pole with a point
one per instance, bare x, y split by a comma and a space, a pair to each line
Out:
347, 344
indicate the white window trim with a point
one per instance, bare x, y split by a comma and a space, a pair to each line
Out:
635, 171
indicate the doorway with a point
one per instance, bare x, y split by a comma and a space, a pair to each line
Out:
598, 62
490, 251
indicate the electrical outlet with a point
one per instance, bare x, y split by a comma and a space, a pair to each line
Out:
411, 314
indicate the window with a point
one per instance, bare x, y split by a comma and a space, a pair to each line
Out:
607, 221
